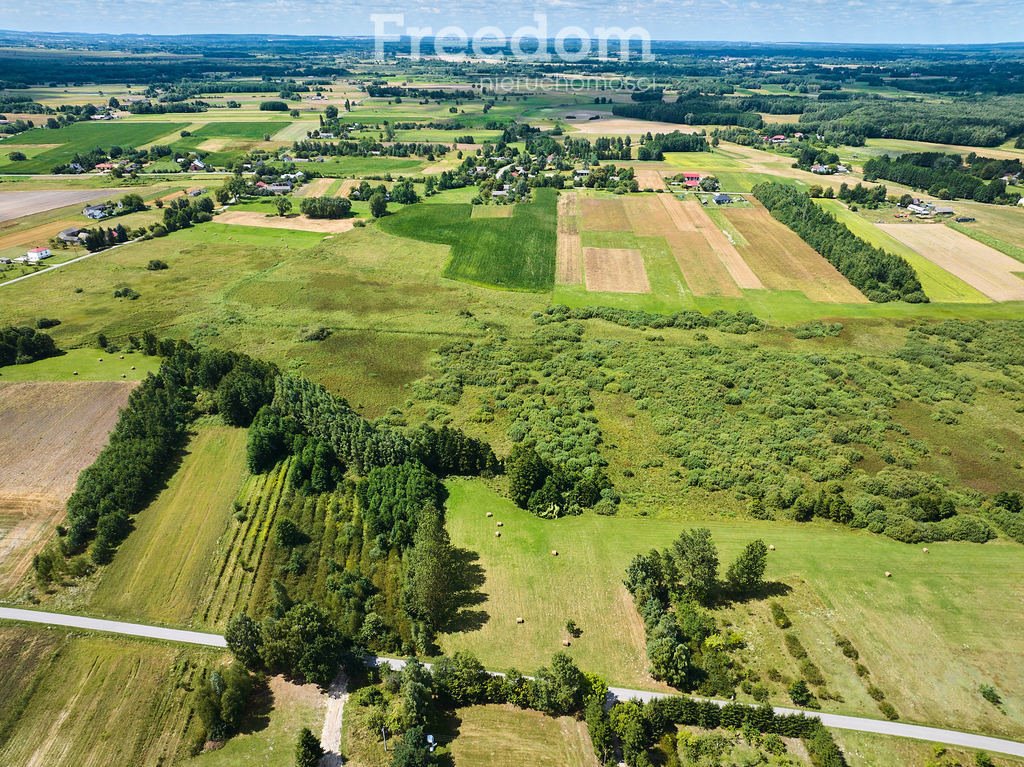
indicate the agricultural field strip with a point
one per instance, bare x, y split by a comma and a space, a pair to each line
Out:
25, 203
856, 723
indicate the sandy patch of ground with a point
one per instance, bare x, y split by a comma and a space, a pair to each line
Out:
604, 215
615, 270
301, 223
624, 126
569, 254
17, 204
49, 432
785, 262
990, 271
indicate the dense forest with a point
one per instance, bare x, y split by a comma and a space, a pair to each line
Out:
948, 176
22, 345
879, 275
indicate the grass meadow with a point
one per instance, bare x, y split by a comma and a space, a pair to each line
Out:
505, 736
957, 603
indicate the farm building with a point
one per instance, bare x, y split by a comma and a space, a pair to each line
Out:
722, 199
964, 219
943, 210
96, 212
691, 179
35, 255
71, 236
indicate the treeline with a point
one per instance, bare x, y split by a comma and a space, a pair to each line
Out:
693, 111
21, 345
325, 207
655, 148
879, 275
945, 176
738, 323
550, 490
149, 435
365, 148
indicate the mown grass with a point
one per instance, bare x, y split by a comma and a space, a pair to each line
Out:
99, 700
864, 749
162, 573
1000, 239
83, 137
87, 364
943, 624
516, 253
505, 736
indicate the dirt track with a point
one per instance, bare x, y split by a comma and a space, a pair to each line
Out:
49, 432
981, 267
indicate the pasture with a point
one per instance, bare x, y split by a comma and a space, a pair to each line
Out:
986, 269
162, 573
958, 603
293, 222
50, 432
997, 226
516, 252
506, 736
83, 137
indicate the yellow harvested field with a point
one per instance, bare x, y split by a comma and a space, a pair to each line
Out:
49, 432
702, 268
785, 262
604, 215
492, 211
647, 178
625, 126
17, 204
506, 736
615, 270
301, 223
690, 216
316, 188
569, 258
993, 273
36, 235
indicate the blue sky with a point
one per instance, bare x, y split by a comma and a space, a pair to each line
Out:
891, 21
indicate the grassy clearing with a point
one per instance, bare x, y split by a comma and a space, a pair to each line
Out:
162, 573
939, 285
958, 603
87, 363
867, 750
998, 227
516, 253
505, 736
706, 162
98, 700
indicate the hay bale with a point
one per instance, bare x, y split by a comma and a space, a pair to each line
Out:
888, 574
497, 533
566, 643
520, 620
74, 373
121, 357
100, 359
124, 375
490, 514
501, 524
554, 553
771, 547
133, 367
926, 550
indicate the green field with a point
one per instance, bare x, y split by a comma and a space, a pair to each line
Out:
706, 162
90, 364
162, 573
515, 253
958, 603
83, 137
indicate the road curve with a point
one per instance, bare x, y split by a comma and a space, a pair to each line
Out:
838, 721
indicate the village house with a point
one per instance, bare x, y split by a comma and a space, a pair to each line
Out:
35, 255
691, 180
821, 170
96, 212
722, 199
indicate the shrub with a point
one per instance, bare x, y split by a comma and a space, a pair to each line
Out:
888, 710
795, 647
989, 693
156, 265
779, 616
45, 322
800, 693
847, 647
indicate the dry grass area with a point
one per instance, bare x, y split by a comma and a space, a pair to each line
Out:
316, 188
49, 432
569, 254
18, 204
649, 179
604, 215
506, 736
36, 235
991, 272
615, 270
624, 126
785, 262
492, 211
301, 223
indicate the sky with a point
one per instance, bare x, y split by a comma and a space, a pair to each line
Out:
865, 21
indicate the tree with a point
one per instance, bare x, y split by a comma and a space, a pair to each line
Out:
526, 474
461, 678
799, 693
331, 112
709, 184
244, 638
696, 560
308, 750
559, 690
427, 593
283, 205
304, 642
378, 205
746, 573
412, 750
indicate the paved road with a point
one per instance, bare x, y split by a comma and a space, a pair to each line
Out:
338, 694
61, 265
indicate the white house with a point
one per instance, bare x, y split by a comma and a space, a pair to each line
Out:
35, 255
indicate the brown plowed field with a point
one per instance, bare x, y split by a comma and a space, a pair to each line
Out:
615, 270
785, 262
49, 432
